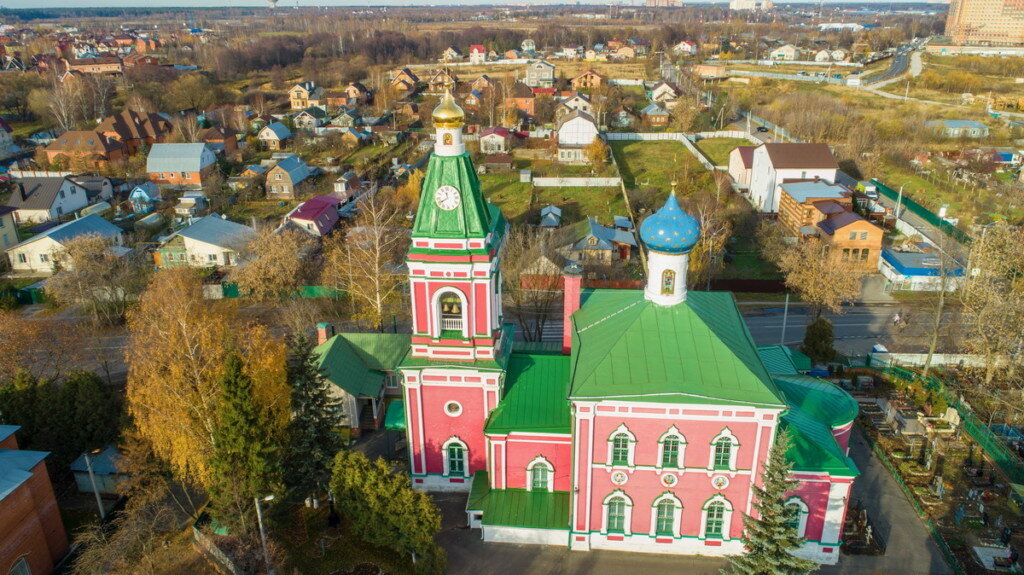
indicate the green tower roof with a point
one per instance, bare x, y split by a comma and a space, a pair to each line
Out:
473, 218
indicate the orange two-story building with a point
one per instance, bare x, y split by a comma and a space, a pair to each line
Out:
818, 208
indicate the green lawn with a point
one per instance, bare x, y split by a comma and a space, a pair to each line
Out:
262, 210
964, 204
508, 193
25, 129
654, 165
521, 202
717, 149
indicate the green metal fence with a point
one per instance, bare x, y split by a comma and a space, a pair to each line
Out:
923, 213
231, 290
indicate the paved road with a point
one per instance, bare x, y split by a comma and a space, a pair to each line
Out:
910, 550
897, 68
855, 331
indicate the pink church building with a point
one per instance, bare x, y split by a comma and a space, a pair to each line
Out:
645, 433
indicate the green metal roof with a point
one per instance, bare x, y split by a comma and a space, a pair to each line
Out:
779, 359
394, 418
535, 396
816, 407
356, 362
473, 218
699, 351
518, 507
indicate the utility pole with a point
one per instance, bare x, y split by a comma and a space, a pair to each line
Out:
785, 317
263, 531
95, 490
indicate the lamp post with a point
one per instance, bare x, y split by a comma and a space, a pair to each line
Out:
263, 532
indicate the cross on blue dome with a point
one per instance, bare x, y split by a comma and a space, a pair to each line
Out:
670, 230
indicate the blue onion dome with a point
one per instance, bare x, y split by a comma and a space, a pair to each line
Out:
670, 230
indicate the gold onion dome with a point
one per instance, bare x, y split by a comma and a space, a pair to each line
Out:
448, 114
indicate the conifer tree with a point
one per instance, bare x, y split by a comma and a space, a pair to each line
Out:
313, 439
819, 340
770, 534
243, 464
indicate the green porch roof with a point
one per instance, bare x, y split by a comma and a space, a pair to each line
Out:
816, 407
780, 359
699, 351
356, 362
518, 507
535, 396
394, 418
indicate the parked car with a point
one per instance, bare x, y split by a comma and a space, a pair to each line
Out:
762, 129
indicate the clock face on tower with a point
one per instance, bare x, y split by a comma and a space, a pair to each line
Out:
447, 198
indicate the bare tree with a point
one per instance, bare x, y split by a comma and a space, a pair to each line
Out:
367, 262
531, 281
66, 104
821, 278
186, 128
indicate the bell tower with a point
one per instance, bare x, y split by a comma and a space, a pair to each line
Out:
453, 374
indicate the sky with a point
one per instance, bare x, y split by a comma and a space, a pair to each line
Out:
225, 3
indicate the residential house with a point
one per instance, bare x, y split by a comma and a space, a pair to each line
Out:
483, 83
210, 241
625, 53
655, 115
496, 140
741, 162
8, 228
776, 163
138, 59
190, 205
512, 55
786, 52
920, 267
274, 136
248, 176
623, 117
473, 100
528, 45
352, 137
98, 65
594, 243
347, 118
287, 178
347, 187
144, 197
959, 128
46, 198
853, 239
316, 216
354, 94
522, 99
180, 164
7, 146
710, 71
586, 80
575, 102
576, 130
84, 150
97, 188
550, 217
39, 254
311, 118
404, 80
220, 140
441, 80
664, 93
477, 54
685, 48
32, 536
540, 74
362, 369
451, 54
306, 94
136, 129
803, 204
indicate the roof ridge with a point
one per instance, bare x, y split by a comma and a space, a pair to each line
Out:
611, 315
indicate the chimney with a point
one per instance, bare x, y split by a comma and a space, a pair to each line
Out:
324, 332
573, 277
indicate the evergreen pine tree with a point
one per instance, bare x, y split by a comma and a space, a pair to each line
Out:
313, 439
819, 340
770, 535
243, 464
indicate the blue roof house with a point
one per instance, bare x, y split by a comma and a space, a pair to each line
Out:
37, 255
104, 469
920, 269
959, 128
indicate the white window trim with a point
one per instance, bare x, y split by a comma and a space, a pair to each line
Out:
803, 513
677, 514
449, 413
631, 453
724, 434
465, 455
681, 460
540, 461
436, 310
627, 516
726, 517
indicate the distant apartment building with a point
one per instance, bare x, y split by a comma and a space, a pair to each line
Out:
750, 4
986, 22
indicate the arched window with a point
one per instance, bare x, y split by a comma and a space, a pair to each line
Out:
450, 309
671, 447
620, 446
724, 447
717, 518
456, 457
668, 282
618, 510
540, 475
798, 511
665, 515
723, 453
